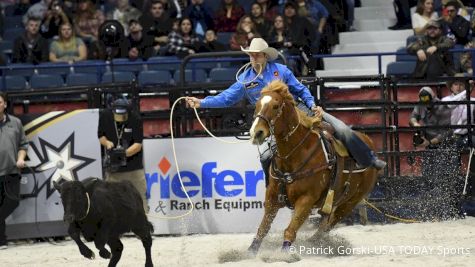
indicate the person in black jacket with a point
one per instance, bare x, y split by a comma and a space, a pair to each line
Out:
455, 26
139, 45
30, 47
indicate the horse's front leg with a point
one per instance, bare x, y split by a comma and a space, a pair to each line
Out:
271, 207
303, 207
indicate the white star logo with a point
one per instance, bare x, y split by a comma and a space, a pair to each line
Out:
62, 159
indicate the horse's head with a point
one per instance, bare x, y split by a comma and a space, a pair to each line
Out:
75, 200
275, 98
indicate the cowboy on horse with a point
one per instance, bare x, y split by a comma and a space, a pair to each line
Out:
263, 71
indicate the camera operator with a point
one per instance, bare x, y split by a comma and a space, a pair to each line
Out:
120, 133
55, 16
426, 113
13, 148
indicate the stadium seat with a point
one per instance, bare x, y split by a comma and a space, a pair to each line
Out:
405, 57
410, 39
61, 68
89, 66
13, 22
124, 64
403, 68
10, 34
79, 79
222, 74
224, 37
9, 83
195, 75
46, 81
6, 45
119, 76
23, 69
163, 63
151, 77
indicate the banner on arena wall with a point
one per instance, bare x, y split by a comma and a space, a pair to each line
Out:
62, 144
225, 182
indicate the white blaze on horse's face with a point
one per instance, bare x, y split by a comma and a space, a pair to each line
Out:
256, 134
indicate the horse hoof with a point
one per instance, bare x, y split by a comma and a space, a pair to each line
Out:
286, 246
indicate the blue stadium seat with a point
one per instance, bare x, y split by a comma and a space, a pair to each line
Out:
119, 77
224, 37
81, 79
411, 39
195, 75
13, 22
46, 81
405, 57
89, 66
23, 69
124, 64
6, 45
151, 77
170, 63
403, 68
222, 74
10, 34
61, 68
9, 83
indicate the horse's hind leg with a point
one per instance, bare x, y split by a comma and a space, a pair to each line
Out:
116, 249
271, 207
303, 207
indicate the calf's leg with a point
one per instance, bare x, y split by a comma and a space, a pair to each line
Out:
74, 232
116, 249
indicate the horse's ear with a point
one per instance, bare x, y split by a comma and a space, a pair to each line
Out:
57, 186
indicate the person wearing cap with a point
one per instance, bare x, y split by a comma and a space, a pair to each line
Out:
432, 51
120, 127
262, 71
139, 45
454, 24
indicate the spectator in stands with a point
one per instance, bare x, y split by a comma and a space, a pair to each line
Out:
433, 58
171, 8
30, 47
303, 36
317, 14
200, 15
245, 32
14, 147
184, 41
21, 7
454, 25
54, 17
350, 14
262, 24
139, 45
269, 8
402, 9
427, 113
37, 10
158, 24
87, 21
424, 13
211, 43
228, 15
124, 13
280, 38
466, 59
68, 47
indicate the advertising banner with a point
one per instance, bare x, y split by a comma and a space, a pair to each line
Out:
224, 181
62, 145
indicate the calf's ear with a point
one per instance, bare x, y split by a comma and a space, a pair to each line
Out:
57, 186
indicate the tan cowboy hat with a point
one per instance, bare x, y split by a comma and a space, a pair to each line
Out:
259, 45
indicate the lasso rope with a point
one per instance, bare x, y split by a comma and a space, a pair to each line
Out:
192, 206
468, 172
388, 215
245, 67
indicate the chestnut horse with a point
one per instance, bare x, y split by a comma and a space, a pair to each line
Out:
302, 167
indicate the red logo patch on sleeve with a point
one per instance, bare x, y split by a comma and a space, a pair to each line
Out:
276, 73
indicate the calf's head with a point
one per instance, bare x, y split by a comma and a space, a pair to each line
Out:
76, 202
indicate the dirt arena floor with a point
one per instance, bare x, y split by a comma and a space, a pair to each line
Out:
449, 243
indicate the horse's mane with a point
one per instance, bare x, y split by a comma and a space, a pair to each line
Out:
279, 87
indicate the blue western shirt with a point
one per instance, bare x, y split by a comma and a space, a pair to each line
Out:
252, 90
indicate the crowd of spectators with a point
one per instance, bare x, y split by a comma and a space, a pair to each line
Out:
68, 30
